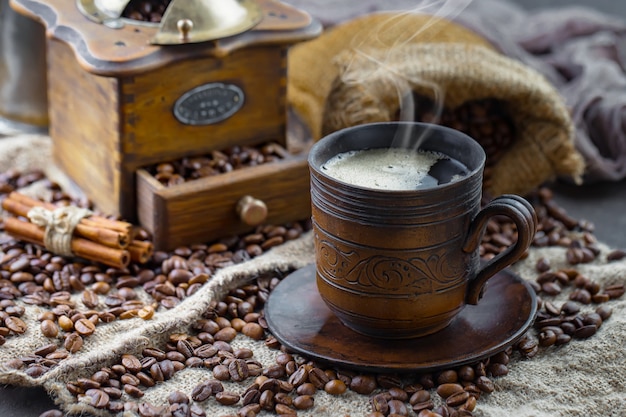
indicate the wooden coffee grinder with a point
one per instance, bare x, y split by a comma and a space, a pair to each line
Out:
205, 75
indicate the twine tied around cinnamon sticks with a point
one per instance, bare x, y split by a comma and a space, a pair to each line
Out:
74, 231
59, 225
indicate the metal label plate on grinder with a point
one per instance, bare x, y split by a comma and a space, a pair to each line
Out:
208, 104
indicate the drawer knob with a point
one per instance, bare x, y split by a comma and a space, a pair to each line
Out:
252, 211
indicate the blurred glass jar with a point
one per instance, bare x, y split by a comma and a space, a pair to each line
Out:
23, 87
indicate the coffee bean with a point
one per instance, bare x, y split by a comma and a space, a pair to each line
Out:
84, 327
303, 402
201, 392
149, 410
167, 368
221, 372
498, 369
363, 384
593, 318
65, 323
600, 298
205, 351
604, 312
156, 373
227, 398
616, 255
130, 379
542, 265
547, 338
306, 389
73, 342
570, 308
581, 295
551, 309
300, 376
145, 379
15, 324
562, 339
133, 391
253, 331
49, 328
277, 371
90, 299
226, 334
551, 288
485, 384
397, 393
335, 387
36, 370
448, 389
238, 370
98, 398
318, 378
284, 410
425, 409
131, 363
615, 291
398, 408
447, 376
420, 396
146, 312
457, 399
174, 355
266, 400
585, 332
46, 349
112, 392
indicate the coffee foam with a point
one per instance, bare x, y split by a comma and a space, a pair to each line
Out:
385, 169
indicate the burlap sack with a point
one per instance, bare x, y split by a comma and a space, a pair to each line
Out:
311, 67
583, 378
443, 61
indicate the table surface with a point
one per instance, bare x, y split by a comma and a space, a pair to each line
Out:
603, 204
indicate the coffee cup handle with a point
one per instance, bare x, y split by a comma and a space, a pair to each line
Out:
522, 213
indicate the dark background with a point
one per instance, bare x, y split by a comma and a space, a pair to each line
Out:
603, 204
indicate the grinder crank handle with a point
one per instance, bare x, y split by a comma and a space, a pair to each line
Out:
523, 215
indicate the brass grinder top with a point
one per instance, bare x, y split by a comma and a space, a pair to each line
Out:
184, 21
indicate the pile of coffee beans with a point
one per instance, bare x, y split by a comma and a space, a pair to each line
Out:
31, 275
559, 324
146, 10
487, 121
215, 163
283, 388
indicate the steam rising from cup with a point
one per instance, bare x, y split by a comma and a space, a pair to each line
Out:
354, 74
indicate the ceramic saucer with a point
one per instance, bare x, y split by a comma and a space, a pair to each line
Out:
299, 319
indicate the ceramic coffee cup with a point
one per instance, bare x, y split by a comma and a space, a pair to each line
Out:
404, 263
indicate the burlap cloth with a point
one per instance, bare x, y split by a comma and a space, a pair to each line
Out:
582, 378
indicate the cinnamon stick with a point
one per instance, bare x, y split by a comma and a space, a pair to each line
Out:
118, 225
85, 228
140, 251
26, 231
107, 237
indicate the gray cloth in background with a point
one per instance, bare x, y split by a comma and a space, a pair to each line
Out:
581, 51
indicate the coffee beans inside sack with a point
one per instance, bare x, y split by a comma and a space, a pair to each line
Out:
116, 340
